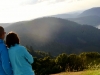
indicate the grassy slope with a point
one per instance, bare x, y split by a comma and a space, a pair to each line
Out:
89, 72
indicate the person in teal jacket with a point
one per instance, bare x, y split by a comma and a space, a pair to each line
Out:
20, 58
5, 67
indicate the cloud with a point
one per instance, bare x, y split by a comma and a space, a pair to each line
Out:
19, 10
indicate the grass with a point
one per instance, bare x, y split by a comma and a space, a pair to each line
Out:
88, 72
92, 70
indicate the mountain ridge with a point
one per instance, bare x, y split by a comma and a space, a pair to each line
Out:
57, 35
89, 20
89, 16
91, 11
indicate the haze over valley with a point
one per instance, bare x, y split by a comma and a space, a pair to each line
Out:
49, 29
57, 35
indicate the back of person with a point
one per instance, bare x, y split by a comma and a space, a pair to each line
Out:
21, 60
2, 72
5, 67
19, 57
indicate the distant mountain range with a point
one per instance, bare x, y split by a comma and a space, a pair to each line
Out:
4, 24
91, 12
92, 20
57, 35
67, 15
89, 17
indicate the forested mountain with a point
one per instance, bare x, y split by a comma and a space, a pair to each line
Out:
4, 24
91, 12
90, 16
89, 20
57, 35
67, 15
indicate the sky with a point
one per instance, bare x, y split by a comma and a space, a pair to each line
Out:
21, 10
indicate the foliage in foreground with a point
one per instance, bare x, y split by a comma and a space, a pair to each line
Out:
46, 64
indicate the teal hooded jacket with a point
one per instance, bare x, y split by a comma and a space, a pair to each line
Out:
5, 67
20, 60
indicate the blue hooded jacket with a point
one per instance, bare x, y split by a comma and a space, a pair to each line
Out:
5, 67
21, 60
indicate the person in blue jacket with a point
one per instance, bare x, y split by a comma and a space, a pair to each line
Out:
5, 67
20, 58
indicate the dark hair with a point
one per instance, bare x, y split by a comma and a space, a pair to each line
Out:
12, 39
1, 30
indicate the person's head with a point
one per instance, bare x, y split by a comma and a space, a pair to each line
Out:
2, 33
12, 39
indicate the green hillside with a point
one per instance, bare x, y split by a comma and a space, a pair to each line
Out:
57, 35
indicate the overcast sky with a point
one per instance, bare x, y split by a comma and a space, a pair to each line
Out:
19, 10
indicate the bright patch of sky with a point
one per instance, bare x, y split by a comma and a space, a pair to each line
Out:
20, 10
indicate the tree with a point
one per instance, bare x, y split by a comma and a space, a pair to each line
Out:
74, 63
62, 60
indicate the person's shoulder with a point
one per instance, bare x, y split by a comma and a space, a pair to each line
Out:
15, 47
2, 46
22, 47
